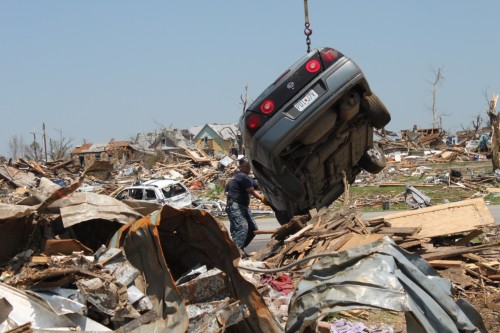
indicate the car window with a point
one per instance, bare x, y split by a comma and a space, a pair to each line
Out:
167, 191
178, 189
123, 195
150, 194
136, 194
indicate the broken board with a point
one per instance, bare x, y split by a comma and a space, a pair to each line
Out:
446, 219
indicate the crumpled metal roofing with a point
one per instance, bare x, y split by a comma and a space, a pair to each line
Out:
381, 275
170, 242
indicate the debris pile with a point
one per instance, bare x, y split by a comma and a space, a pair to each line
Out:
100, 287
82, 260
464, 247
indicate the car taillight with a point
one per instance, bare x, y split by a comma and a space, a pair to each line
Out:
254, 121
313, 66
267, 107
329, 56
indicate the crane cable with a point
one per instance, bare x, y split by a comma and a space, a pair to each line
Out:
307, 31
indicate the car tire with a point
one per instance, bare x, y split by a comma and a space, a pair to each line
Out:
373, 160
282, 216
377, 112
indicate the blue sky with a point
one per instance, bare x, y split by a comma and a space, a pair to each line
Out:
112, 68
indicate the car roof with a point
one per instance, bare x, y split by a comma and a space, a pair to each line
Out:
161, 183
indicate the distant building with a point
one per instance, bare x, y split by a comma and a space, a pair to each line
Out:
114, 151
217, 139
167, 141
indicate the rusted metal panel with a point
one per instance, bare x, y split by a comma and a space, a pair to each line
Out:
170, 242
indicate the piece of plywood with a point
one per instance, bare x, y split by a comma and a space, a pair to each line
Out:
357, 240
446, 219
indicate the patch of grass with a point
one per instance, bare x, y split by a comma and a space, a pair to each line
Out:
493, 199
371, 197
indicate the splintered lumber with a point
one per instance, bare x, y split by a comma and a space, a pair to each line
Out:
290, 228
358, 240
451, 251
414, 242
466, 239
338, 243
60, 165
265, 232
441, 220
298, 234
446, 263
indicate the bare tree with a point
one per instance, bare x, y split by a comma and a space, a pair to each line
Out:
59, 149
438, 78
244, 99
476, 125
495, 129
31, 151
16, 146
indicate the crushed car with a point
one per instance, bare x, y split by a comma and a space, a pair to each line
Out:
312, 128
162, 191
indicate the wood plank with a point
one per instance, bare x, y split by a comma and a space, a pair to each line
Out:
357, 240
446, 219
450, 251
337, 243
415, 242
466, 239
473, 256
298, 234
446, 263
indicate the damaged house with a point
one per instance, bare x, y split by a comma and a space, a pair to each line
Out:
217, 139
168, 141
114, 151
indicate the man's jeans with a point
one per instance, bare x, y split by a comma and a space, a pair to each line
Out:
242, 224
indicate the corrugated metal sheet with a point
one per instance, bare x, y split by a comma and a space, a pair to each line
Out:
381, 275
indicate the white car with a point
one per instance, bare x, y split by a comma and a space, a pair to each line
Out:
163, 191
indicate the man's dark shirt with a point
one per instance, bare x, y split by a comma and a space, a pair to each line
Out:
237, 189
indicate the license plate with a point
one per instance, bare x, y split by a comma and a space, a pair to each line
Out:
307, 100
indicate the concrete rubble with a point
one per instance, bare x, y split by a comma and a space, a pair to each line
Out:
73, 258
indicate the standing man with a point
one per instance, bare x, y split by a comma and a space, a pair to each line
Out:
238, 191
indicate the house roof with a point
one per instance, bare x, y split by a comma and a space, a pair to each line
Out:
88, 148
225, 131
147, 142
118, 144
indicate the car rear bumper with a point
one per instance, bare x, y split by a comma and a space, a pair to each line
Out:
281, 130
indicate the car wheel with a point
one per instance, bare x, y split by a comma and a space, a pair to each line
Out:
373, 160
377, 112
282, 216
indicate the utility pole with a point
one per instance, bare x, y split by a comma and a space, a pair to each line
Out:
45, 142
34, 143
438, 78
